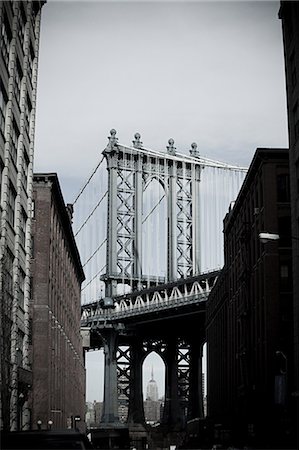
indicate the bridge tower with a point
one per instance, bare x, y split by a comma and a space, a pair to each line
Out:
130, 169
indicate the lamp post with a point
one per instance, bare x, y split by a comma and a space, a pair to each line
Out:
268, 237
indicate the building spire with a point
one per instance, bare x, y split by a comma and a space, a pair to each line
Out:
152, 374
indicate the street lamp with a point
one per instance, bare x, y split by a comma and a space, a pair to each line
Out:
266, 237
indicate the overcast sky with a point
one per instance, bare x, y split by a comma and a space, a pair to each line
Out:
210, 72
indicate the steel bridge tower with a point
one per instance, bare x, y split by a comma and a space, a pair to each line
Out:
130, 170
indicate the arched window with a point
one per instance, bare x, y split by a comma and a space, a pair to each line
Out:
153, 372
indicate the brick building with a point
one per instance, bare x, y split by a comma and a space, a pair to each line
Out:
57, 274
289, 14
19, 43
249, 312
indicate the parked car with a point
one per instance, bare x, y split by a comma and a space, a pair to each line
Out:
44, 439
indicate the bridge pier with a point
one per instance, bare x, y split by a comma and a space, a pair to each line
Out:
136, 411
173, 415
195, 403
110, 404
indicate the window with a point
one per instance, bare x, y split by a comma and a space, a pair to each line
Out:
14, 142
5, 39
11, 205
23, 224
283, 187
284, 231
21, 289
22, 22
18, 82
35, 9
25, 167
285, 274
33, 209
9, 273
19, 348
284, 271
28, 108
3, 103
1, 171
30, 62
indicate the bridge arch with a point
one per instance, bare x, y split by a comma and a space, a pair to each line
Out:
154, 228
153, 374
157, 178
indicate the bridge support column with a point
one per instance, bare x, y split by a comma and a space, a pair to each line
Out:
196, 243
111, 252
195, 403
138, 221
136, 412
172, 225
173, 415
110, 404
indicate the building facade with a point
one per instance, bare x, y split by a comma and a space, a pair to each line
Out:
57, 351
19, 43
152, 411
93, 414
249, 312
289, 14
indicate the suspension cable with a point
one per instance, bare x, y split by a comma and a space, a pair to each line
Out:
99, 247
88, 181
92, 212
103, 242
153, 209
90, 281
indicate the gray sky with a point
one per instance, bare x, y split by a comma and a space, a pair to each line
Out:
195, 71
210, 72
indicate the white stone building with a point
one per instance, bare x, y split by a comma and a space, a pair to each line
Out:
19, 43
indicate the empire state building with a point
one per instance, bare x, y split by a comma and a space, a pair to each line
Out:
152, 389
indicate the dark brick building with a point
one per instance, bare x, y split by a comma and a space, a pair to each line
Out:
57, 274
249, 312
289, 13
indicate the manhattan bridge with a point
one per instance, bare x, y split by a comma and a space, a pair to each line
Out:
148, 225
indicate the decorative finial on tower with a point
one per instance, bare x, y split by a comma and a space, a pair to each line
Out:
152, 373
112, 139
137, 142
193, 150
171, 148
